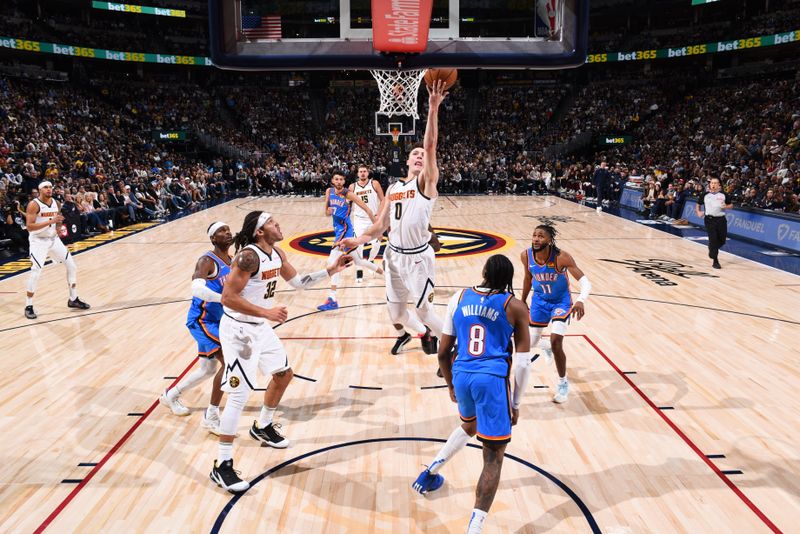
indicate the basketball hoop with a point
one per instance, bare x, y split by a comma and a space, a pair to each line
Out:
399, 90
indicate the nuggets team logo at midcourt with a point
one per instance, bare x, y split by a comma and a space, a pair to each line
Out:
456, 242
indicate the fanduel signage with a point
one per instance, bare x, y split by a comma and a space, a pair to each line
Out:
401, 25
769, 229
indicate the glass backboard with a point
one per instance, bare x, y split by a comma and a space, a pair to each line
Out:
337, 34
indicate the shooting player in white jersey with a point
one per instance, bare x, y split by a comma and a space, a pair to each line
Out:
249, 343
371, 193
409, 258
41, 218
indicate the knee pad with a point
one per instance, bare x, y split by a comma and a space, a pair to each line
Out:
72, 270
234, 407
33, 278
430, 319
397, 312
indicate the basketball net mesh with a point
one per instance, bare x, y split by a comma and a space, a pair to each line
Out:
399, 90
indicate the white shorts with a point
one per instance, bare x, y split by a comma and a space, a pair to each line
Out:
410, 277
42, 247
249, 348
361, 225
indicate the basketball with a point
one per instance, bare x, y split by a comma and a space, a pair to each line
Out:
449, 76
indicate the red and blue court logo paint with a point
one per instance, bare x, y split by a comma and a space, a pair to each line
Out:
456, 242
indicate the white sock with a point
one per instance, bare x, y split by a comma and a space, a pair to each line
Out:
73, 293
174, 393
562, 379
266, 416
476, 521
28, 301
400, 331
457, 440
333, 294
212, 411
225, 451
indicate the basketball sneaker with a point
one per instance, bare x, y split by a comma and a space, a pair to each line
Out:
401, 342
77, 303
227, 478
430, 343
173, 404
269, 435
211, 423
427, 481
29, 313
562, 391
329, 304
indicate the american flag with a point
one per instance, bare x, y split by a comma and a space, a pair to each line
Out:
257, 27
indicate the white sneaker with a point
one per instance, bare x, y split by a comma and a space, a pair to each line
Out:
599, 209
173, 404
211, 423
562, 391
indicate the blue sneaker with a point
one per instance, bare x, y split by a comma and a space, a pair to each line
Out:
329, 304
427, 481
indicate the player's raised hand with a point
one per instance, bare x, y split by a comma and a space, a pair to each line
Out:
436, 93
278, 314
577, 310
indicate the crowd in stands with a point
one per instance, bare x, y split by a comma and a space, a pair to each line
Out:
94, 142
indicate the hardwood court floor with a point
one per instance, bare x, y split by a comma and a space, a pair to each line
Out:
672, 387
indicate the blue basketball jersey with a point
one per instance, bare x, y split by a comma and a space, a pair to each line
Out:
483, 333
341, 211
210, 312
549, 283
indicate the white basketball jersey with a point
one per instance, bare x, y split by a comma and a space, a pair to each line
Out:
260, 289
45, 213
409, 216
368, 196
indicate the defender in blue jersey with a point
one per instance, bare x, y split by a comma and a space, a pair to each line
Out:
482, 321
547, 270
337, 205
202, 321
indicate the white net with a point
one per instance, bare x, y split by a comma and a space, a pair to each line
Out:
399, 90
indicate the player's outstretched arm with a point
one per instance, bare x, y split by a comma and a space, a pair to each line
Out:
372, 233
244, 265
565, 259
430, 171
304, 281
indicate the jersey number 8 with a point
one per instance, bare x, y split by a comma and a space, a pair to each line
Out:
477, 340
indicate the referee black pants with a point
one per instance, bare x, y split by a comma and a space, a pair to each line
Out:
717, 228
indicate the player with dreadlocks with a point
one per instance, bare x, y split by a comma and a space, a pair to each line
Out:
547, 270
482, 320
249, 343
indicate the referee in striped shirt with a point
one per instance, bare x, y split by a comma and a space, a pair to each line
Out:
714, 202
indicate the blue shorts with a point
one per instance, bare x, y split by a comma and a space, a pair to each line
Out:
342, 231
542, 311
485, 397
207, 336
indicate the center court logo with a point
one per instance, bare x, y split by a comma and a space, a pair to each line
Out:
456, 242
